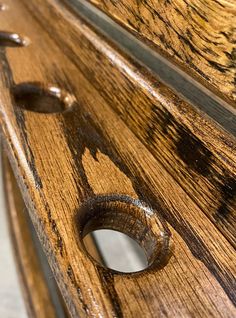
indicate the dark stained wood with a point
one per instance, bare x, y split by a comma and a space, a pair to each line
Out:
199, 156
181, 82
123, 135
199, 36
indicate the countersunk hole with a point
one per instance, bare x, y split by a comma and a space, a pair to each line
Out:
38, 98
12, 39
132, 218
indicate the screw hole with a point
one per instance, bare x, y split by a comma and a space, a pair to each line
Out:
131, 217
37, 98
12, 39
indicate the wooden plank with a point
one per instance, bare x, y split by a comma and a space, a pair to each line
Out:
199, 36
182, 83
197, 153
63, 160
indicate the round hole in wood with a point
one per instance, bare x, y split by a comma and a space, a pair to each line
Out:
10, 39
38, 98
131, 217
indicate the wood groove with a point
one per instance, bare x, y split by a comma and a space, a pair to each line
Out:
135, 118
198, 37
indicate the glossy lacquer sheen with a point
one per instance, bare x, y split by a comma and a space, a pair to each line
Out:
127, 154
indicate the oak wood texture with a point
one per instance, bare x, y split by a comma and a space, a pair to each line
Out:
35, 291
126, 134
199, 36
197, 153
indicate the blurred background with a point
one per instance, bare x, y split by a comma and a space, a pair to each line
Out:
11, 300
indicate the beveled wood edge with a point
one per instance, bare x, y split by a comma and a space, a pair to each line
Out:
33, 283
196, 93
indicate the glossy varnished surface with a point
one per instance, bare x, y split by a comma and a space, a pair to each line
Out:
125, 134
200, 36
197, 153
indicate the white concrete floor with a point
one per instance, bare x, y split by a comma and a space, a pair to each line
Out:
11, 301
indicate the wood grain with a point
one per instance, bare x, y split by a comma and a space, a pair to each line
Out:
65, 161
199, 36
197, 153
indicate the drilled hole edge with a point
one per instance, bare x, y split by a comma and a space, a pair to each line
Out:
39, 98
129, 216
